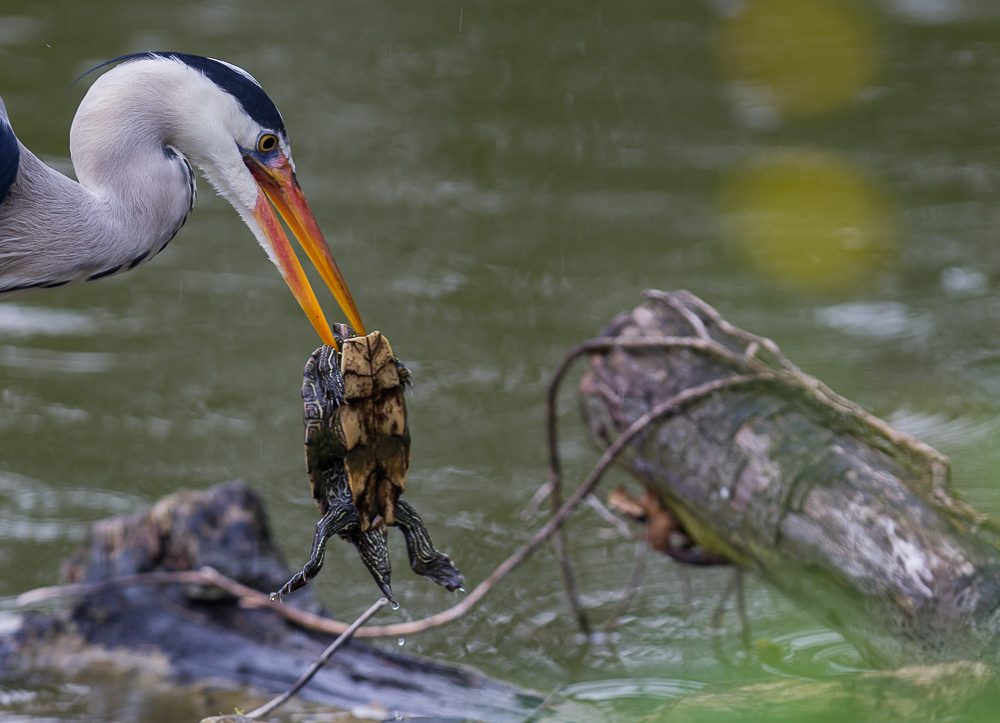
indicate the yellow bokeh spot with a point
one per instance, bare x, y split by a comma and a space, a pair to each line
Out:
810, 56
810, 219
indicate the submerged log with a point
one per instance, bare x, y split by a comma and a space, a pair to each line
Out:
202, 633
766, 466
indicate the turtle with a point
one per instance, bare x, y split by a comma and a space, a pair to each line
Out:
357, 443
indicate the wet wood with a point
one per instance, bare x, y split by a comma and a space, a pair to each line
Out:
849, 517
198, 633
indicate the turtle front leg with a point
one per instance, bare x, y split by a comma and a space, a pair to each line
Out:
339, 518
424, 559
405, 375
374, 553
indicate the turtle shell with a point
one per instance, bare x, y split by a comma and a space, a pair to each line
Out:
362, 425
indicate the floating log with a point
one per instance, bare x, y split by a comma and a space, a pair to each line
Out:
203, 634
766, 466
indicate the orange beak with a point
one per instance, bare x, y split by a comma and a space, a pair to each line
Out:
278, 186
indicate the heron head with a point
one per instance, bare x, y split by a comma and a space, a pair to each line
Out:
220, 118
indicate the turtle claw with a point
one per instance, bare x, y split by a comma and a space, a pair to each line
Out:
300, 579
387, 594
341, 517
424, 559
405, 375
441, 570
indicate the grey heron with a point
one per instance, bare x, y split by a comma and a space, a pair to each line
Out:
132, 142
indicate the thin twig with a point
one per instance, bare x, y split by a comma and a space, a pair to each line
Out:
554, 483
735, 584
641, 547
536, 501
693, 320
314, 668
32, 598
937, 464
568, 576
741, 605
687, 593
545, 704
610, 517
720, 608
935, 467
254, 598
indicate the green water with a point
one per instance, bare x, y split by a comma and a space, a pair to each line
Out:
497, 181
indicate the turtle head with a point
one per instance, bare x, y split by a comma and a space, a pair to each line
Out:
342, 332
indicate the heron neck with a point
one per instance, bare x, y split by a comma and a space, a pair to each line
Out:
55, 231
119, 143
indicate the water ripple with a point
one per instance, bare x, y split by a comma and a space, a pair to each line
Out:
618, 688
33, 511
814, 652
939, 430
22, 321
888, 320
46, 361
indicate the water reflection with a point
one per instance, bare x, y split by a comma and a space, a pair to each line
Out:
19, 320
43, 362
809, 219
884, 319
797, 59
33, 511
607, 690
814, 653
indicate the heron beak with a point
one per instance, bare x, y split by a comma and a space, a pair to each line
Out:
278, 185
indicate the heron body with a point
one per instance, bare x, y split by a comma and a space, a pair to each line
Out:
138, 132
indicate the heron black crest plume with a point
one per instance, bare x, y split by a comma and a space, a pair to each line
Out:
139, 130
230, 78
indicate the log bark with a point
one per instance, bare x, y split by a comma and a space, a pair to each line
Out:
851, 518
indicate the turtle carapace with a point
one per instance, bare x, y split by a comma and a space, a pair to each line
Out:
357, 454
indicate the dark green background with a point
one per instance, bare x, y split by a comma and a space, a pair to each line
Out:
497, 180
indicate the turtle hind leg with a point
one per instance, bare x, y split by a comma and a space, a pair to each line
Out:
374, 552
339, 517
424, 559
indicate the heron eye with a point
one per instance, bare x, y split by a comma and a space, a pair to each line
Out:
267, 142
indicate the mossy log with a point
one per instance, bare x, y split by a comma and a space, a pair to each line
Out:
766, 466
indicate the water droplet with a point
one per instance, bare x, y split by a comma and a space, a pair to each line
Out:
400, 642
395, 605
461, 589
